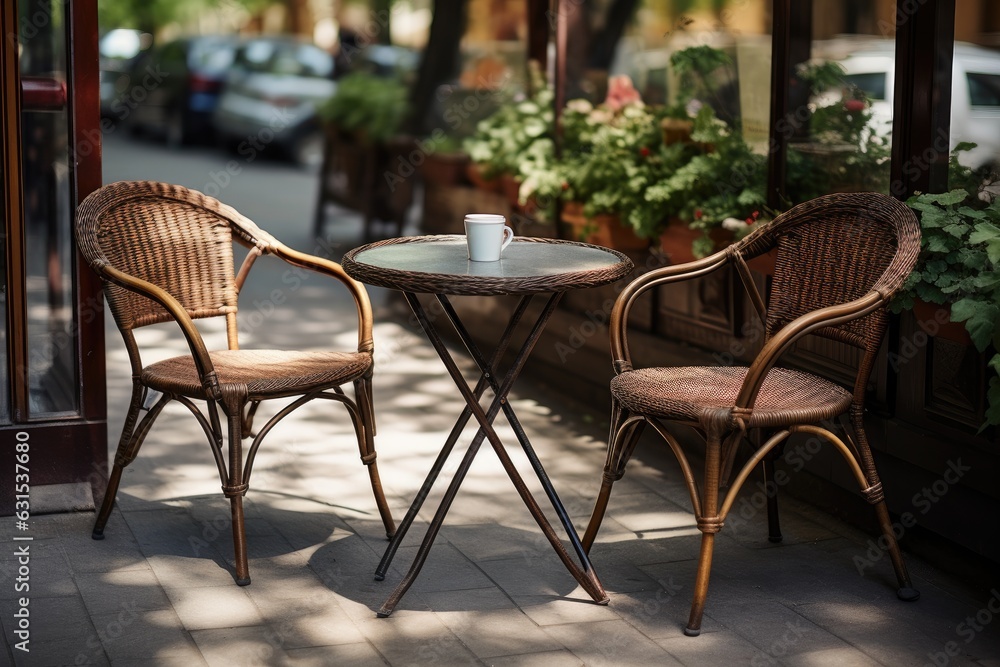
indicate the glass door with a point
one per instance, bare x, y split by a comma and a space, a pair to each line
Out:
52, 367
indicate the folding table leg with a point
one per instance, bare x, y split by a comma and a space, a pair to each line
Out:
449, 444
522, 437
587, 578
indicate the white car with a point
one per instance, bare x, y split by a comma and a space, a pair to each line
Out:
975, 97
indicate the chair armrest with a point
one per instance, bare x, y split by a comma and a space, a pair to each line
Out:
330, 268
202, 359
618, 327
791, 332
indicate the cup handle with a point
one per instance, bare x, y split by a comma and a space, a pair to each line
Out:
508, 236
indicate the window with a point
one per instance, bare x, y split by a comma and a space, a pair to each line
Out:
984, 89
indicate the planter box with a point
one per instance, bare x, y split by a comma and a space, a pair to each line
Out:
475, 175
678, 238
935, 320
603, 229
445, 168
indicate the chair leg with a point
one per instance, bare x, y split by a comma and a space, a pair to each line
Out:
621, 444
709, 524
366, 443
875, 495
129, 443
235, 488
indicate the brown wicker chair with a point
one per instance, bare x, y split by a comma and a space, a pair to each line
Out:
165, 253
839, 260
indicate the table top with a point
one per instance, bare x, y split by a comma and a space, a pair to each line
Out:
441, 265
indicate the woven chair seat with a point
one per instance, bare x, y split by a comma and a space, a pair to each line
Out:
266, 373
686, 393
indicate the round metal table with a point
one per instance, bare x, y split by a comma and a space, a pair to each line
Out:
439, 265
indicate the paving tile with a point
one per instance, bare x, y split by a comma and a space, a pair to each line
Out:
356, 655
845, 656
418, 638
60, 652
316, 619
725, 648
48, 575
216, 607
247, 646
147, 635
547, 610
610, 643
192, 572
111, 591
546, 659
535, 575
498, 632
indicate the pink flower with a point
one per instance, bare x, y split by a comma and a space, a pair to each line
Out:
854, 106
621, 92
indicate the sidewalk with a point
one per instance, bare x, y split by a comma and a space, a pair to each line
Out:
158, 590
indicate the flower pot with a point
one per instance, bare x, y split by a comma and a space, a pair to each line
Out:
478, 179
676, 130
677, 240
935, 320
445, 168
604, 229
509, 186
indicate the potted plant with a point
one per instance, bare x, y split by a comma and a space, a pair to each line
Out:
959, 268
612, 154
370, 108
714, 197
500, 141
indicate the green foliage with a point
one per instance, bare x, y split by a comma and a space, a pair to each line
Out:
959, 265
149, 15
611, 160
698, 72
520, 128
725, 183
372, 107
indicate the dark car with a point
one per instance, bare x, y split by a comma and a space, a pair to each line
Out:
271, 98
174, 88
119, 49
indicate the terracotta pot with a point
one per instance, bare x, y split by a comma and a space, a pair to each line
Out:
509, 186
935, 320
677, 239
603, 229
476, 177
445, 168
676, 130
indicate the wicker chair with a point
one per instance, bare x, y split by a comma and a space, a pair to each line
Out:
165, 253
839, 260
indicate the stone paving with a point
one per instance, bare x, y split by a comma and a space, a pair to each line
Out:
159, 589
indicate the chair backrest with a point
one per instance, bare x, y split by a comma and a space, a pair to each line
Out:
834, 249
175, 238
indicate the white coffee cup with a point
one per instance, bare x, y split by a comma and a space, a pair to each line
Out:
487, 236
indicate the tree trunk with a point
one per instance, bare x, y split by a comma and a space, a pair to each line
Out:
602, 50
440, 59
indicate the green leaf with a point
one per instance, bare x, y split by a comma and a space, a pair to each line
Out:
956, 229
984, 233
980, 319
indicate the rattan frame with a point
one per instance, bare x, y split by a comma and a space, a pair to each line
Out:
165, 253
879, 239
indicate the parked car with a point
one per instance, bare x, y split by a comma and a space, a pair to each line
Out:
174, 88
119, 49
271, 96
975, 97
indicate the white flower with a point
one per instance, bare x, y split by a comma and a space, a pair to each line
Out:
580, 106
734, 225
693, 107
989, 191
